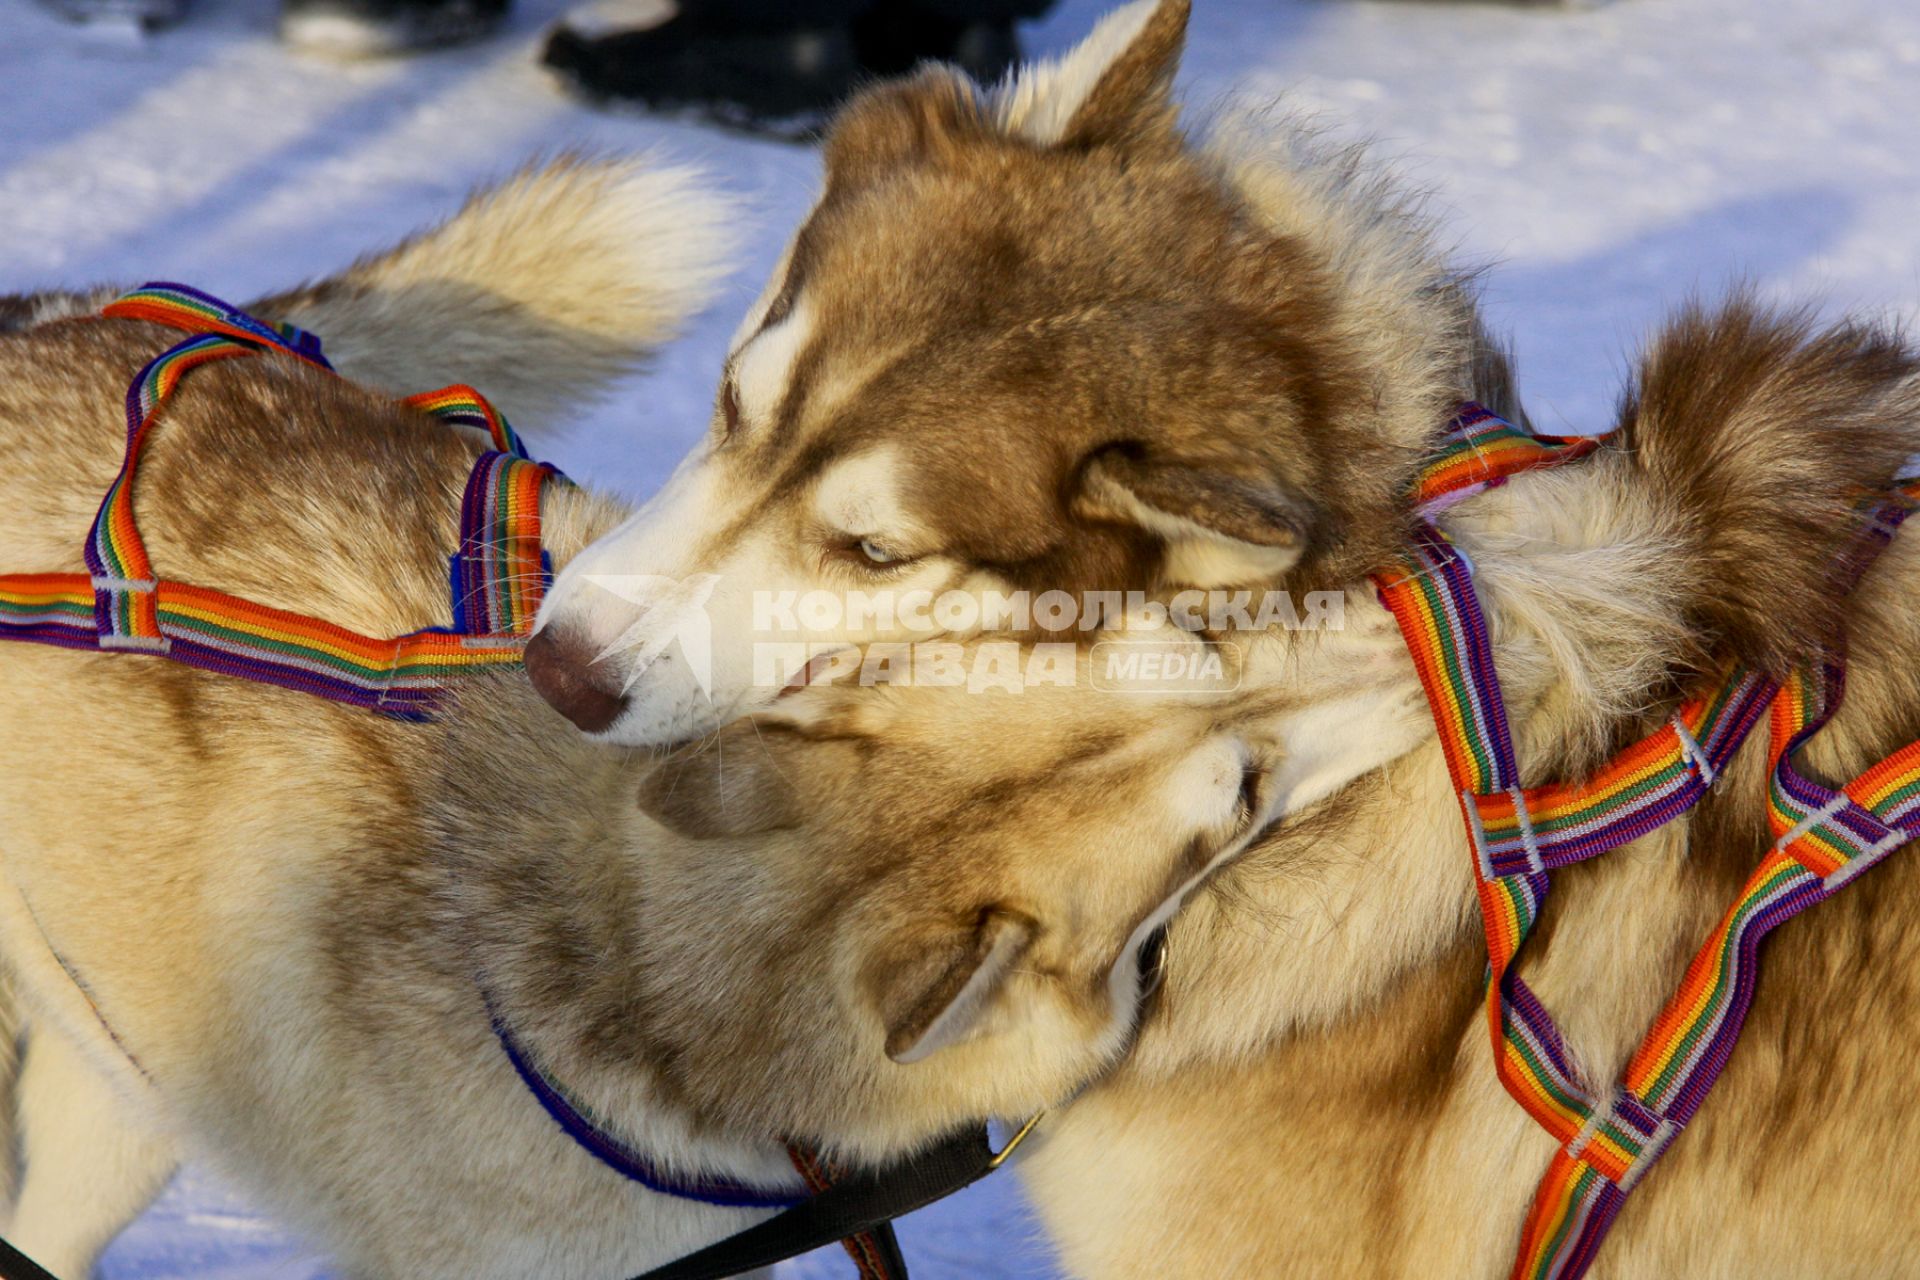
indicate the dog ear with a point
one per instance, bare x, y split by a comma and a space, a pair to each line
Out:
1114, 87
1221, 528
748, 777
938, 998
733, 785
899, 122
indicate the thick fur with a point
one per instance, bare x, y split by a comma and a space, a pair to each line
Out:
1033, 339
1314, 1095
987, 286
216, 927
9, 1090
787, 938
274, 932
1768, 426
1322, 998
550, 282
24, 310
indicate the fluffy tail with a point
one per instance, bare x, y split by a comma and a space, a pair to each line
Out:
1759, 430
541, 291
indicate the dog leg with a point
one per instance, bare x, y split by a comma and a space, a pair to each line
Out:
88, 1169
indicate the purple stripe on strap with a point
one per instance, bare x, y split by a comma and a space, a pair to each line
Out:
623, 1159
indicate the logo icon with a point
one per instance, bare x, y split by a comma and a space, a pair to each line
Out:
672, 610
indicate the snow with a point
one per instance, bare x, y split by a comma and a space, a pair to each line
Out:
1609, 160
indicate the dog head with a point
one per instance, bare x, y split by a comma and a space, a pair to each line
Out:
869, 915
1028, 340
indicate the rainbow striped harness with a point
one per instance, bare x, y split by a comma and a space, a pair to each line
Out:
1824, 838
498, 575
1610, 1137
121, 604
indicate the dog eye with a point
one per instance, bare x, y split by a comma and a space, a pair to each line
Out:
871, 555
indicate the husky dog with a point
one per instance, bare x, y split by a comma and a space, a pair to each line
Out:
279, 934
1314, 1093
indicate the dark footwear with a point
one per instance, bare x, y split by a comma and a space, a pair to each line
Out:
891, 40
987, 51
779, 83
376, 28
148, 14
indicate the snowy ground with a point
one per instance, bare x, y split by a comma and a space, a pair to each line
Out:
1608, 161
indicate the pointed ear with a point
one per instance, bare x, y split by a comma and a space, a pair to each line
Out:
939, 997
1113, 87
1221, 528
736, 784
753, 776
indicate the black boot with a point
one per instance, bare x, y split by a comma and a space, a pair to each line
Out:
774, 66
780, 82
893, 39
376, 28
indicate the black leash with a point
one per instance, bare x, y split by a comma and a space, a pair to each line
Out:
864, 1202
864, 1205
886, 1260
879, 1256
15, 1265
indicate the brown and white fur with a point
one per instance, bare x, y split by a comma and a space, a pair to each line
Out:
870, 914
253, 926
1313, 1094
165, 832
1316, 1096
1034, 339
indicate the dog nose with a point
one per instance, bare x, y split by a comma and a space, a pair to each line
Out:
563, 672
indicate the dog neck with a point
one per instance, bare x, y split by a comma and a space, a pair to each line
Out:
541, 854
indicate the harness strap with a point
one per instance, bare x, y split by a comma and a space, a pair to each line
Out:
498, 574
1480, 450
620, 1156
497, 577
180, 306
1518, 835
1824, 839
875, 1251
1611, 1138
461, 406
501, 569
874, 1248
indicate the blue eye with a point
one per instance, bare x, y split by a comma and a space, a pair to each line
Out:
877, 554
